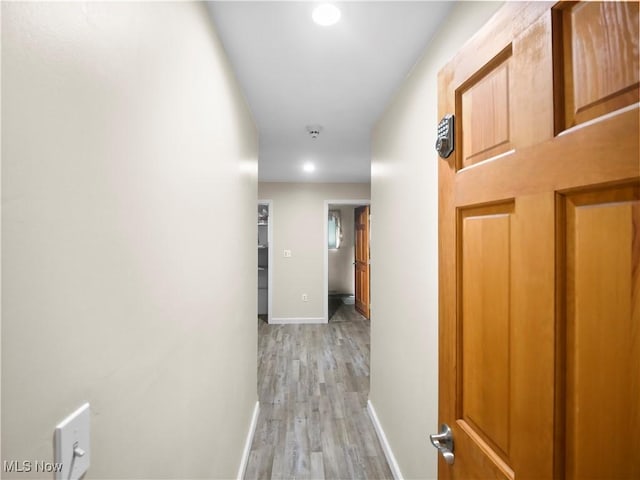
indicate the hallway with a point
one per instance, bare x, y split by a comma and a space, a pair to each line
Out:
313, 384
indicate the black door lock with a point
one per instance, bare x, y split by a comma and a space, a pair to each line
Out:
444, 143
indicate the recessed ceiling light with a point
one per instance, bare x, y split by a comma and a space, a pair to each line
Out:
308, 167
326, 14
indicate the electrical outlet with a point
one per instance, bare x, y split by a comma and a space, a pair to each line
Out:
305, 297
287, 254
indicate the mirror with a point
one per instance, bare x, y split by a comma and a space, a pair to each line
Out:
334, 229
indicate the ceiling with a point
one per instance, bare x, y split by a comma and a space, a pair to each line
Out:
296, 73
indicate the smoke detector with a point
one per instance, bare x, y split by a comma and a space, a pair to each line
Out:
314, 130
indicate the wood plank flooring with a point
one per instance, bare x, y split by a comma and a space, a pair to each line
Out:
313, 384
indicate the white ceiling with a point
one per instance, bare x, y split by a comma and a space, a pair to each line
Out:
295, 73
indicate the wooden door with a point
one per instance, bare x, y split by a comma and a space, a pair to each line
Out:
540, 246
362, 259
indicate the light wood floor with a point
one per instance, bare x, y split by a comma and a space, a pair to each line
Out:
313, 384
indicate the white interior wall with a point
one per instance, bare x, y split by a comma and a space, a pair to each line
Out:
129, 189
340, 260
404, 252
298, 224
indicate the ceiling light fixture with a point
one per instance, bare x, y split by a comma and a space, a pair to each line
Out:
326, 14
308, 167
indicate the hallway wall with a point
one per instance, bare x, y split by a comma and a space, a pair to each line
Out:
297, 222
129, 183
404, 252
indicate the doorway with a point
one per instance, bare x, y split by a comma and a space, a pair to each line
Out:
265, 260
340, 284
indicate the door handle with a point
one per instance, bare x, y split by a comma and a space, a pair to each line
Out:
443, 441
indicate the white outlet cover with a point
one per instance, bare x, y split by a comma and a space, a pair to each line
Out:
287, 253
73, 432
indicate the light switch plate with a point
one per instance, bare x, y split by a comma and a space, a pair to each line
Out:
287, 254
72, 444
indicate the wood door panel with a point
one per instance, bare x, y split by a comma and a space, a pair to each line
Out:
533, 95
475, 455
540, 364
603, 334
499, 32
600, 58
362, 270
484, 112
501, 398
533, 302
485, 322
362, 293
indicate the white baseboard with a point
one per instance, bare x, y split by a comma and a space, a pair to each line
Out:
247, 444
304, 320
386, 448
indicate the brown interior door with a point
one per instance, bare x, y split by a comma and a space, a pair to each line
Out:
362, 259
540, 246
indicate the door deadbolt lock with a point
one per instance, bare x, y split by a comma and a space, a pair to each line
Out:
444, 143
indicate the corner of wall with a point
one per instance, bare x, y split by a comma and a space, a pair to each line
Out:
404, 275
386, 447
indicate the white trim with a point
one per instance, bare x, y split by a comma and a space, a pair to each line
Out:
269, 203
299, 320
357, 202
386, 448
247, 444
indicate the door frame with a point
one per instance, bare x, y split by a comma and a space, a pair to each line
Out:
269, 204
325, 246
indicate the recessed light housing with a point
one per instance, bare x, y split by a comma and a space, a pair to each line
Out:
326, 14
308, 167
